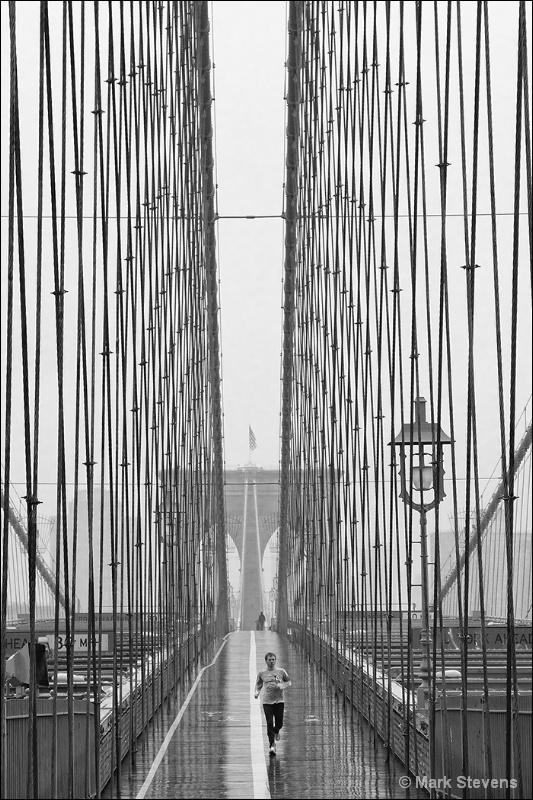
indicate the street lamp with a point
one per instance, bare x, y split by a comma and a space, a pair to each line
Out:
424, 473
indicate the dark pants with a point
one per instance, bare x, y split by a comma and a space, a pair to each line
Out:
274, 718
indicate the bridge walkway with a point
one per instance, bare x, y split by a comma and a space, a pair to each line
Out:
210, 740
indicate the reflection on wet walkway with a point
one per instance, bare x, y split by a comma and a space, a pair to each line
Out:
325, 750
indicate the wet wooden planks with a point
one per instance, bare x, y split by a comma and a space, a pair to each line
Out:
325, 750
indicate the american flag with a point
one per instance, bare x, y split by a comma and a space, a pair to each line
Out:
251, 435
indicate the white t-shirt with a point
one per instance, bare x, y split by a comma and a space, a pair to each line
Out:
271, 682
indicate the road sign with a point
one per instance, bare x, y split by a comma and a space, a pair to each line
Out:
18, 638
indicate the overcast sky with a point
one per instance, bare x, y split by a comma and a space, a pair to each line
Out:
249, 41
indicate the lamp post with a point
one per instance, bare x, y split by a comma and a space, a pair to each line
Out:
424, 473
273, 597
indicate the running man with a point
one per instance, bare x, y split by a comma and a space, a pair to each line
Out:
270, 683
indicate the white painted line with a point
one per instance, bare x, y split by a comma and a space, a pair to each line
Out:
259, 770
244, 513
164, 747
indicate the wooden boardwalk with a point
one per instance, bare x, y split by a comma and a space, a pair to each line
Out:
210, 742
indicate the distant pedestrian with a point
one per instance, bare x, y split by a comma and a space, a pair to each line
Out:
270, 683
261, 622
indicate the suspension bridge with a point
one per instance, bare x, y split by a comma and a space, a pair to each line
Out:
390, 548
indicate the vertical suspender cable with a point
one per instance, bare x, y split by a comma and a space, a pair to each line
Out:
208, 219
291, 243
